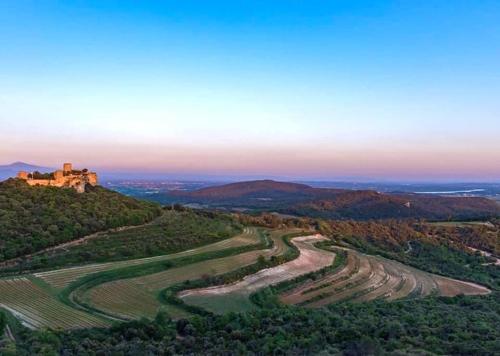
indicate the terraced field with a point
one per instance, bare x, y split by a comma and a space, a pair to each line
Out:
365, 278
235, 297
63, 277
136, 297
35, 299
36, 307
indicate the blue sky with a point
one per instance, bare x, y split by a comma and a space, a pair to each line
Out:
307, 89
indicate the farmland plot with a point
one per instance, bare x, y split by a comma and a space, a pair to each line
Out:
34, 300
63, 277
137, 297
36, 308
366, 278
235, 297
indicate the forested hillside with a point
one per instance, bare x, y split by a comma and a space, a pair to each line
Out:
175, 230
303, 200
434, 248
392, 234
395, 234
34, 218
365, 205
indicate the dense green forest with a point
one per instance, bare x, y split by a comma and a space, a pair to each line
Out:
395, 234
2, 323
34, 218
435, 325
175, 230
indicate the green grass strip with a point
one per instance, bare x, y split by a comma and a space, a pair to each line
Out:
69, 295
169, 295
268, 297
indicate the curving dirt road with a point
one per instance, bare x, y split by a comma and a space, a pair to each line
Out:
310, 259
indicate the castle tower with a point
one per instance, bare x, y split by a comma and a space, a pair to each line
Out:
22, 175
67, 167
58, 175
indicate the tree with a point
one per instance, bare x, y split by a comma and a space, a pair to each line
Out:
3, 322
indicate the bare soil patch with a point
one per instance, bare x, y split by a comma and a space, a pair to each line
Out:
310, 259
366, 278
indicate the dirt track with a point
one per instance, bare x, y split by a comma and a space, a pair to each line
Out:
486, 254
60, 278
310, 259
366, 277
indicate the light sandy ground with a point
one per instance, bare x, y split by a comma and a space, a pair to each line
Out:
486, 254
310, 259
366, 277
137, 297
295, 295
450, 287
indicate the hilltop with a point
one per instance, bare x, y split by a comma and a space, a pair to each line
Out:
34, 218
304, 200
250, 188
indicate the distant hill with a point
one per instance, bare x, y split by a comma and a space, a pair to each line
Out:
303, 200
10, 170
251, 189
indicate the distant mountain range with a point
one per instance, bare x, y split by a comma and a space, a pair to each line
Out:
10, 170
304, 200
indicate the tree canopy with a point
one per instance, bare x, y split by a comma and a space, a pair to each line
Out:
33, 218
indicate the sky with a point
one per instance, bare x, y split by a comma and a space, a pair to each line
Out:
382, 90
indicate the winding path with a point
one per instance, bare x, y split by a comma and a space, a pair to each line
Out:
486, 254
368, 277
218, 299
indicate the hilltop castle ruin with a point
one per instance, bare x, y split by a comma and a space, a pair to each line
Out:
67, 177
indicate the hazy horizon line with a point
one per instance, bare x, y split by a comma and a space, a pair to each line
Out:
110, 174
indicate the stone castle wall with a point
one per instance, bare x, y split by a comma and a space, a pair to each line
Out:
64, 178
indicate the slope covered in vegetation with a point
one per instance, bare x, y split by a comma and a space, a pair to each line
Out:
174, 230
432, 248
303, 200
34, 218
450, 326
409, 326
395, 234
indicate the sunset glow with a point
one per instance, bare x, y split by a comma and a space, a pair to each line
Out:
292, 89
